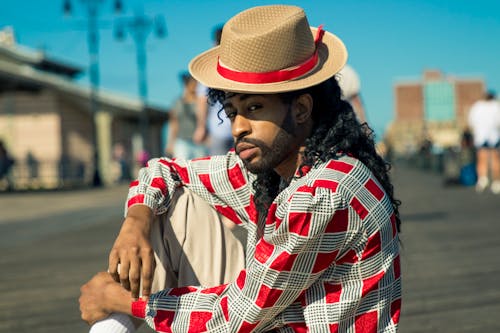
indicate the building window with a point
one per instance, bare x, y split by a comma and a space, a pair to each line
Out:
439, 101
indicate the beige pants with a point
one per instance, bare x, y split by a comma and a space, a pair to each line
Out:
195, 246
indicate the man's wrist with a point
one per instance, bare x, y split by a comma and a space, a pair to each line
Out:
119, 299
140, 212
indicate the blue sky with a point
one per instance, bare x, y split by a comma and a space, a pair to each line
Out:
387, 41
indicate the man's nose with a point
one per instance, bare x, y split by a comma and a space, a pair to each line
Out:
240, 126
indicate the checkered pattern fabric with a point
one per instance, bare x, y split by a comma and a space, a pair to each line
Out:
325, 259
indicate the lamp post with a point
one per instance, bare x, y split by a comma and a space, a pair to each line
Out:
140, 27
92, 7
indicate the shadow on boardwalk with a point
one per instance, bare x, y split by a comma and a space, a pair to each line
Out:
53, 242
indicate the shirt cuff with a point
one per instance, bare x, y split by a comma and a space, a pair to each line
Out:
139, 308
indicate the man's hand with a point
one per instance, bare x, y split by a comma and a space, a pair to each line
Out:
102, 296
133, 252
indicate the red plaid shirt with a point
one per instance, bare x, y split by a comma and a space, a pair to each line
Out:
326, 258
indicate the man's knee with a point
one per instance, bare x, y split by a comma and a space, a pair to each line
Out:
195, 245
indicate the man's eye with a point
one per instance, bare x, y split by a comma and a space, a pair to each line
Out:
254, 107
230, 114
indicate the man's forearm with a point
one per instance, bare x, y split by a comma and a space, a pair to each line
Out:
131, 258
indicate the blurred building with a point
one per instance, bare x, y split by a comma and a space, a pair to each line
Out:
431, 110
46, 121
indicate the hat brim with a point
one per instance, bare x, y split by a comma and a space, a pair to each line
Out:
332, 55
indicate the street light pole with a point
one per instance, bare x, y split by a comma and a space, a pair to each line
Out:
93, 49
93, 46
140, 26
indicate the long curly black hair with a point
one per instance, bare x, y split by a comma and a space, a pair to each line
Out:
336, 130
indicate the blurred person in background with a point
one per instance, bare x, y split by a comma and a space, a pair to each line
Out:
468, 172
121, 168
484, 121
183, 123
350, 85
220, 139
6, 163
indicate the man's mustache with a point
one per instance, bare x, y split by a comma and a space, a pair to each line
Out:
254, 142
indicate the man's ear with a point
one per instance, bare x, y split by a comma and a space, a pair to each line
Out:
303, 108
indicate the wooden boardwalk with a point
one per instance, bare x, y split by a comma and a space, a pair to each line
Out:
53, 242
451, 266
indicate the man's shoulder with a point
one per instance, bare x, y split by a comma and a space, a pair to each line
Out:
331, 173
343, 165
482, 104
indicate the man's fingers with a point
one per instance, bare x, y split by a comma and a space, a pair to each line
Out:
148, 267
135, 276
114, 260
124, 271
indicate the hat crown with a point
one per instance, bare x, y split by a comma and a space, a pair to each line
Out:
266, 38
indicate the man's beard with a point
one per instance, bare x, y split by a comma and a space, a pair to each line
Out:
279, 150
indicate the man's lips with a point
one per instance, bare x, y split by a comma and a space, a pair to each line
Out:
245, 150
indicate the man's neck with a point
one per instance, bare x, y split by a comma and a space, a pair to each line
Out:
288, 167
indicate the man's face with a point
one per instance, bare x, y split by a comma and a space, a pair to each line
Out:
264, 131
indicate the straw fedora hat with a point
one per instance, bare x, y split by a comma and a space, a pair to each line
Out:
270, 49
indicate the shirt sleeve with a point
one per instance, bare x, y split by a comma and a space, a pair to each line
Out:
305, 239
222, 181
